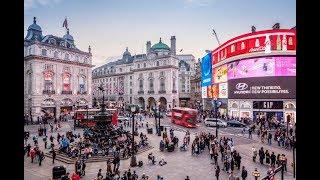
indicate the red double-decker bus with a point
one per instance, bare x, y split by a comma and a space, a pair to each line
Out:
186, 117
86, 116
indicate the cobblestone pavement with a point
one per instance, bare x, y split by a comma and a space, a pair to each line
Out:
179, 164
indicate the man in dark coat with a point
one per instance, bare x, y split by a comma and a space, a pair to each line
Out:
261, 155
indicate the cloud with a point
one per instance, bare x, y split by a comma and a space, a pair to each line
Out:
199, 2
29, 4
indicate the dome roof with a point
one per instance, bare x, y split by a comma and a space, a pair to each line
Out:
126, 53
160, 46
68, 36
34, 26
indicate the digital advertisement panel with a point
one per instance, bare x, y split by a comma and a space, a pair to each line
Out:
204, 92
220, 74
215, 91
256, 67
223, 90
206, 70
285, 66
209, 91
280, 87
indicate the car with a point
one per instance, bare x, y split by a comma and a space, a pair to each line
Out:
213, 122
169, 114
235, 123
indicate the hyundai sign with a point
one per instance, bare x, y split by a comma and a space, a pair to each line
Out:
280, 87
206, 70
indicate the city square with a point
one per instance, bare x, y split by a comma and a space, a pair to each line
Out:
97, 109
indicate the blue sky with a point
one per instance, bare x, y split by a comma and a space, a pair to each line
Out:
110, 26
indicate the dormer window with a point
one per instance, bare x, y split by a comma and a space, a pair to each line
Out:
55, 54
52, 41
44, 52
66, 57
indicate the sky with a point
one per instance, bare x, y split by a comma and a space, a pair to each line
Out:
110, 26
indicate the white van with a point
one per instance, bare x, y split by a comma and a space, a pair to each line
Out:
214, 121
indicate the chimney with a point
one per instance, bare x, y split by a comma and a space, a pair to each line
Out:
148, 47
173, 45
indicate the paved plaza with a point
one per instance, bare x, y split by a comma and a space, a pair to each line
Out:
179, 163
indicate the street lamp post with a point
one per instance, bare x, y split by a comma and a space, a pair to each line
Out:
74, 117
159, 129
217, 104
256, 174
133, 109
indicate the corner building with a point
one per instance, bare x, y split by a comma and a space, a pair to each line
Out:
254, 75
57, 75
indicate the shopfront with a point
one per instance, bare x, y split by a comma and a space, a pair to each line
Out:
66, 108
48, 108
290, 111
268, 110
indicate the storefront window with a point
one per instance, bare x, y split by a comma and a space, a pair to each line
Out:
82, 84
48, 81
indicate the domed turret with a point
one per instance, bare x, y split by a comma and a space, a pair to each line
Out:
160, 47
34, 31
68, 36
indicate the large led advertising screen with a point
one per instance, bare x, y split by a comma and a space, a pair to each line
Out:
220, 74
204, 93
279, 87
285, 66
206, 70
262, 67
213, 91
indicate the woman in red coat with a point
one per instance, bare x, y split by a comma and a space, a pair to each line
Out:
75, 176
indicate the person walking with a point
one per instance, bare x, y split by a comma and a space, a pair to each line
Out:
215, 157
261, 155
41, 157
269, 138
255, 153
217, 173
28, 150
238, 160
244, 173
273, 159
231, 176
267, 154
54, 154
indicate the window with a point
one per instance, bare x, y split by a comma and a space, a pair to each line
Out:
130, 91
151, 84
162, 85
66, 57
66, 77
290, 41
130, 83
82, 84
150, 74
162, 73
173, 84
157, 63
77, 58
55, 54
44, 52
144, 65
141, 85
48, 81
257, 44
120, 69
131, 77
138, 65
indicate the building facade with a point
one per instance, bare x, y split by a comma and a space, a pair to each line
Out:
146, 79
254, 76
195, 85
57, 75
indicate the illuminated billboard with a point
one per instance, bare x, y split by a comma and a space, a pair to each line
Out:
206, 70
262, 67
277, 87
223, 90
220, 74
204, 93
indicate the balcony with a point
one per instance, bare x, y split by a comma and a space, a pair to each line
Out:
174, 91
140, 92
48, 91
66, 92
85, 92
162, 92
151, 92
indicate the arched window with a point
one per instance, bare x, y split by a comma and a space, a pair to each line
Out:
157, 63
44, 52
55, 54
138, 65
